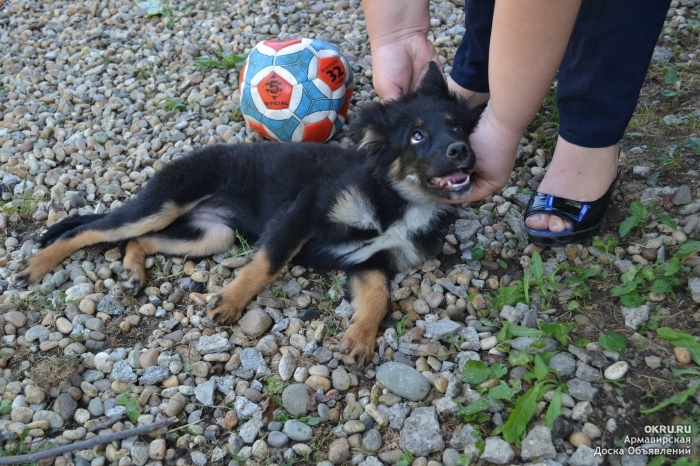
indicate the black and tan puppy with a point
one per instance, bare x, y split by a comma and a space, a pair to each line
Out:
371, 212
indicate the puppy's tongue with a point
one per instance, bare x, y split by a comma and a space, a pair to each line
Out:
454, 178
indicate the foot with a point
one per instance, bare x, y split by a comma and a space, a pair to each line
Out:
577, 173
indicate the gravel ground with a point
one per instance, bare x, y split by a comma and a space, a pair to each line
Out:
95, 97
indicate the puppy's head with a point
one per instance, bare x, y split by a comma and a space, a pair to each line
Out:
421, 140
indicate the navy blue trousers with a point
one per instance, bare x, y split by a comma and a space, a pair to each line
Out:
602, 71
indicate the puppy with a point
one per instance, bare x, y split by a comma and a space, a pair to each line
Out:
371, 212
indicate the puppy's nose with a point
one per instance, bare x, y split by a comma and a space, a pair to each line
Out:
457, 150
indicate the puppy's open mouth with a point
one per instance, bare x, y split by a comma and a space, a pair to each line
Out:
456, 181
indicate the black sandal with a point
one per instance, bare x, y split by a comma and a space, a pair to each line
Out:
585, 217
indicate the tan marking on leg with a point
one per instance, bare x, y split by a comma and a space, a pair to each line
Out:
134, 271
46, 260
227, 306
371, 303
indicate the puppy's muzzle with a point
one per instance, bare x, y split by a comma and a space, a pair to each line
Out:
458, 151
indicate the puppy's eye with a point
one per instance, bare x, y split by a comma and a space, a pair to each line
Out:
417, 137
457, 128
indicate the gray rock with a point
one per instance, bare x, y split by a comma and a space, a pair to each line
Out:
403, 380
245, 408
397, 414
439, 329
205, 392
497, 451
464, 436
564, 363
466, 229
154, 375
110, 305
662, 54
471, 340
538, 444
65, 406
287, 366
77, 293
297, 431
139, 453
635, 316
587, 373
683, 196
96, 407
38, 332
694, 287
123, 372
198, 458
584, 456
213, 344
253, 361
581, 390
249, 431
371, 461
372, 440
421, 433
277, 439
54, 419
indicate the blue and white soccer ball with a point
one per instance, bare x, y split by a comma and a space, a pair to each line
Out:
296, 90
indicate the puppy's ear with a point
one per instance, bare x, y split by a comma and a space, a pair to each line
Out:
371, 126
433, 82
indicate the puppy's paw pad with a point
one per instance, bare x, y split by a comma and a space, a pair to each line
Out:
224, 311
131, 286
357, 346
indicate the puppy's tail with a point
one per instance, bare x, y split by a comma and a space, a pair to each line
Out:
67, 224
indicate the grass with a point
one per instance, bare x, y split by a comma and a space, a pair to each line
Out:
224, 60
172, 104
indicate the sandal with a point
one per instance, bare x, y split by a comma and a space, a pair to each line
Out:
585, 217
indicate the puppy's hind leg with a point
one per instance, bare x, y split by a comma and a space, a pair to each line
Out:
125, 223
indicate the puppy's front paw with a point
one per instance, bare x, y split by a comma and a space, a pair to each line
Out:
28, 272
357, 345
133, 281
225, 309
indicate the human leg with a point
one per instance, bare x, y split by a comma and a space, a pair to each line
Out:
528, 40
600, 78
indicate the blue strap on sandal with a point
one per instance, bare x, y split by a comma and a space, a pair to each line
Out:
585, 217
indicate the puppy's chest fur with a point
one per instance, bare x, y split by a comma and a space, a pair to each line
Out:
397, 230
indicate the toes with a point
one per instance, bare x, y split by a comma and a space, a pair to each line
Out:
557, 224
537, 221
222, 311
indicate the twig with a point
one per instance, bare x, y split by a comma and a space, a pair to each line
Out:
108, 423
33, 457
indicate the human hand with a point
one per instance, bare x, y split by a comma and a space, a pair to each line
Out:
495, 147
398, 66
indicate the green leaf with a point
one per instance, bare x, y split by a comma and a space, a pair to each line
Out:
627, 225
541, 368
519, 358
668, 93
667, 220
554, 410
482, 404
688, 248
638, 210
505, 392
475, 372
681, 339
558, 330
657, 461
661, 285
536, 266
5, 407
677, 399
478, 252
621, 290
613, 341
631, 300
498, 370
670, 76
521, 415
693, 144
313, 421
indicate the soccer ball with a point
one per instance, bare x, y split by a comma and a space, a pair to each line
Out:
295, 90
